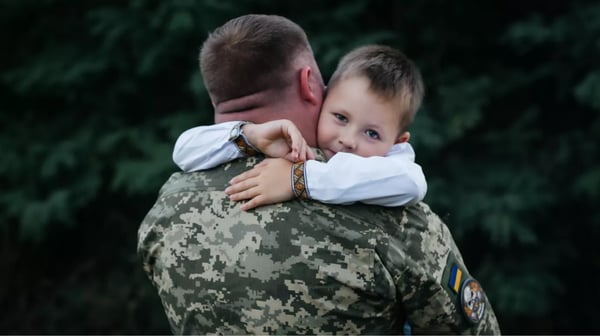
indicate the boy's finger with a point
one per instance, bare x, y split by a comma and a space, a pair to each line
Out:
305, 150
240, 186
253, 203
243, 194
248, 205
238, 178
295, 153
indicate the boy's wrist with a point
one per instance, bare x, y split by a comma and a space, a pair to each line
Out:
299, 187
238, 137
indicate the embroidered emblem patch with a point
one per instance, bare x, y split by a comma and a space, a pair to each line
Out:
455, 277
472, 299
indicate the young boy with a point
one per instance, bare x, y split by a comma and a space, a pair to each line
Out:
372, 97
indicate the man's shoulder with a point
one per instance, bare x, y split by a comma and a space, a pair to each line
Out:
211, 179
421, 214
425, 228
183, 188
415, 230
418, 216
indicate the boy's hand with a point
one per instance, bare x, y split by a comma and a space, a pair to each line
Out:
279, 138
268, 182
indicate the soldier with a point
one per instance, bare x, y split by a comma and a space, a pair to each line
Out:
299, 266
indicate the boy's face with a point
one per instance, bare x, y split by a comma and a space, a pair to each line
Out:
355, 120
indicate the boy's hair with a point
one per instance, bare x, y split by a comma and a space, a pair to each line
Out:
249, 54
391, 74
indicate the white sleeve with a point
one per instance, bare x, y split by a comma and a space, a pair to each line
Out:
393, 180
205, 147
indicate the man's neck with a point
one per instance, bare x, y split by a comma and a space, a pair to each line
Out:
243, 104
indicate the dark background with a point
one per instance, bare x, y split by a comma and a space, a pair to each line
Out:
93, 95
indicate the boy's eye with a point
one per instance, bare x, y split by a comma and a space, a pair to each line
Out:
340, 117
372, 134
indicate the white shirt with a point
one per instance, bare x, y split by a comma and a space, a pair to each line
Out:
392, 180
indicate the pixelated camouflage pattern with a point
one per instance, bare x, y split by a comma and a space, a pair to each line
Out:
300, 267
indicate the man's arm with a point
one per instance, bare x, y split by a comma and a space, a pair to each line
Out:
438, 293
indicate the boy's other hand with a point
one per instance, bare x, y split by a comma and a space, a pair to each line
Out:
279, 139
268, 182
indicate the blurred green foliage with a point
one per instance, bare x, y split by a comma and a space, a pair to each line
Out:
93, 95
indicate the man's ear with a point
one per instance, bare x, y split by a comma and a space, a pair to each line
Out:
308, 85
404, 137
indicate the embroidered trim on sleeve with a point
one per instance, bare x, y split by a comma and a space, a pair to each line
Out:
244, 146
299, 181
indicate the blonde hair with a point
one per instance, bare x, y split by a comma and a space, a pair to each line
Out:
391, 74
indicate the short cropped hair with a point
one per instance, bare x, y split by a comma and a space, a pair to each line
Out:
249, 54
391, 74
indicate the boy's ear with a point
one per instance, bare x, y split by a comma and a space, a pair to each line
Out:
307, 85
404, 137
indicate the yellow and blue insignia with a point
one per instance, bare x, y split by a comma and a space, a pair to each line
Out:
455, 278
472, 299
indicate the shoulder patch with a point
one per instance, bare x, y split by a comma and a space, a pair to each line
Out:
455, 278
468, 295
472, 299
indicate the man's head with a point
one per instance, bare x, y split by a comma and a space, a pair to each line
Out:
260, 68
372, 97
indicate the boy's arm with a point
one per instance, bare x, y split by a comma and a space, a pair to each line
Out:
205, 147
393, 180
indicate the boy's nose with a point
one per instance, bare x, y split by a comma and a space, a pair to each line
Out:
348, 144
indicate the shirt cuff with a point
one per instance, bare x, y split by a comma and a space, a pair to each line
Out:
245, 147
241, 141
299, 181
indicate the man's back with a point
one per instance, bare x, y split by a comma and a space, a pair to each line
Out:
297, 267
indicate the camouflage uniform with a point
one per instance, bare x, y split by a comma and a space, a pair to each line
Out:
298, 267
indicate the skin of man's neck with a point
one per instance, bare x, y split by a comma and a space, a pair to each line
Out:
268, 105
242, 104
256, 107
